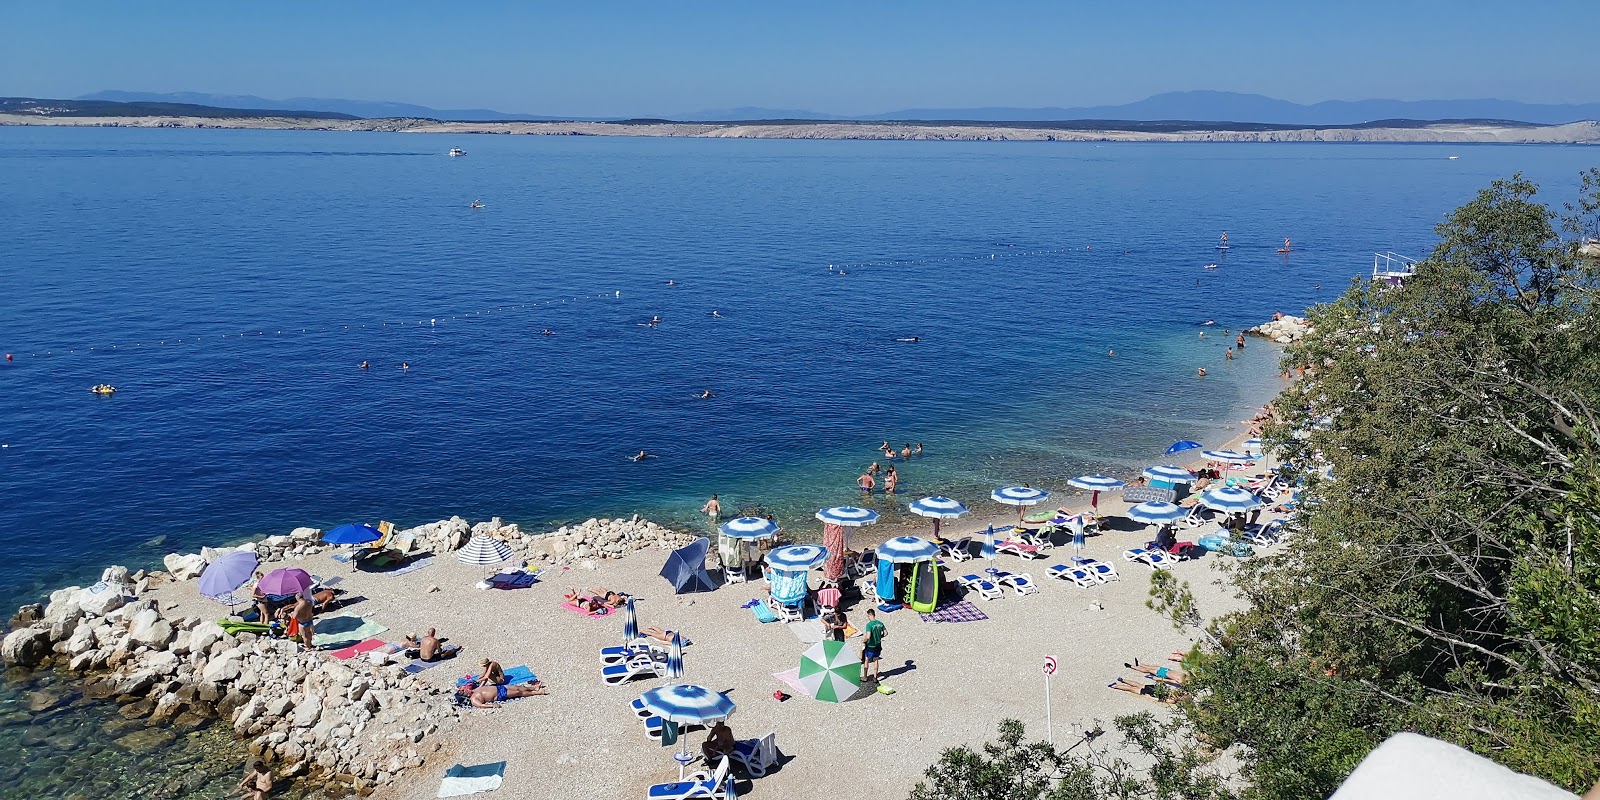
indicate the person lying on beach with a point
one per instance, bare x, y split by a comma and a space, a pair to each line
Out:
491, 673
325, 599
1171, 675
1157, 691
606, 596
430, 647
660, 635
588, 604
257, 783
491, 695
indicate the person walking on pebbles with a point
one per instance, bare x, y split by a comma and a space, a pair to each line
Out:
872, 647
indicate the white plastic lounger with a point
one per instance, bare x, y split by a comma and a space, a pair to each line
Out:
982, 586
1157, 559
756, 756
1021, 581
1019, 549
618, 674
1075, 574
1198, 516
1133, 553
1099, 570
699, 784
958, 550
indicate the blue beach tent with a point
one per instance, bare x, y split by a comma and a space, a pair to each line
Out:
686, 568
1178, 447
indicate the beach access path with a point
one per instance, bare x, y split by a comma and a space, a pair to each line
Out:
954, 681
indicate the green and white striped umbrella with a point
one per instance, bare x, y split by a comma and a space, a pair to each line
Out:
830, 672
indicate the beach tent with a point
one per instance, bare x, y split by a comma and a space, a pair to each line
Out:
922, 588
686, 568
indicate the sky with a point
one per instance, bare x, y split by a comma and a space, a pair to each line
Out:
627, 58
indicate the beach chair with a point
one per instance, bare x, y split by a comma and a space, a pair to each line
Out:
1264, 535
958, 550
985, 588
1074, 574
787, 612
1156, 559
636, 648
1099, 570
654, 726
618, 674
827, 601
756, 756
1198, 516
1043, 538
1021, 581
714, 785
1018, 549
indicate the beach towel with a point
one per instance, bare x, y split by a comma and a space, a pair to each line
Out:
576, 610
357, 649
963, 611
809, 631
890, 608
412, 567
461, 780
343, 629
791, 679
419, 665
342, 558
513, 580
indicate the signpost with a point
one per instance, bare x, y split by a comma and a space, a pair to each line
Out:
1049, 669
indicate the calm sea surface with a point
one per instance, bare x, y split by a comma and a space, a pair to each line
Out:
229, 283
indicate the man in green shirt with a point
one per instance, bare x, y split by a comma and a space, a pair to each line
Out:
872, 648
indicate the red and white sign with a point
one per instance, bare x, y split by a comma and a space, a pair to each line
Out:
1049, 665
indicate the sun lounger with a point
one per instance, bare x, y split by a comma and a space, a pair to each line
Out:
1019, 549
985, 588
1100, 570
1021, 581
958, 550
618, 674
827, 600
1133, 553
1264, 535
653, 727
756, 756
1077, 575
699, 784
1198, 516
1156, 559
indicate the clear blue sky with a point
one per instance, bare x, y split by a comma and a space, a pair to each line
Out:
619, 57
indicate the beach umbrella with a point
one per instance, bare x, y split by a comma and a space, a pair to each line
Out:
686, 703
483, 551
1228, 456
352, 534
1019, 496
830, 671
797, 557
847, 516
1096, 484
1156, 512
686, 567
749, 528
675, 657
285, 581
1253, 443
1170, 474
937, 508
630, 623
1229, 500
987, 548
227, 574
907, 549
1178, 447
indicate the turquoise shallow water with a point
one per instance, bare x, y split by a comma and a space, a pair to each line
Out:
230, 282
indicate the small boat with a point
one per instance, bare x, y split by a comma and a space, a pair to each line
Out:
456, 151
1453, 158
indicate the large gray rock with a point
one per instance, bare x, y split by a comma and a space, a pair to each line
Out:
204, 635
225, 667
150, 630
25, 647
163, 662
115, 573
184, 567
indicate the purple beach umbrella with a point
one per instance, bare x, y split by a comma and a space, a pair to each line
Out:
228, 573
285, 581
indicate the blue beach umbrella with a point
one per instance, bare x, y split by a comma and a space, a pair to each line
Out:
986, 549
684, 704
1170, 474
1228, 456
1019, 496
797, 557
848, 516
907, 549
937, 508
1097, 483
1178, 447
1253, 443
1157, 512
675, 658
352, 534
1229, 500
749, 528
630, 623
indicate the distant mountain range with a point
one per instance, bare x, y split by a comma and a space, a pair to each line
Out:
1197, 106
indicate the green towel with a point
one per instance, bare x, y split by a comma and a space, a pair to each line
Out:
344, 629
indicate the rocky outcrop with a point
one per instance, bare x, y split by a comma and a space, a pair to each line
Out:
1284, 330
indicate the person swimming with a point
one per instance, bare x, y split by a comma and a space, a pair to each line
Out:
405, 366
365, 365
1209, 322
547, 332
671, 282
654, 321
715, 314
642, 456
476, 204
706, 395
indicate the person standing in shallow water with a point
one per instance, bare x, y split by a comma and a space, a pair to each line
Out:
891, 479
712, 509
1239, 342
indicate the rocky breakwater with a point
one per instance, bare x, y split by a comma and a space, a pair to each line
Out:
1285, 329
591, 540
354, 723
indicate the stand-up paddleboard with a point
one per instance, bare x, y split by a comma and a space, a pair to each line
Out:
1222, 247
885, 580
922, 591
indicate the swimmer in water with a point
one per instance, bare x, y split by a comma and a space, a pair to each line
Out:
654, 321
919, 448
1209, 322
365, 365
405, 366
909, 339
671, 282
706, 395
1202, 372
715, 314
547, 332
1111, 354
642, 456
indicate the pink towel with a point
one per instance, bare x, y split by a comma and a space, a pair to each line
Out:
1023, 546
358, 648
576, 610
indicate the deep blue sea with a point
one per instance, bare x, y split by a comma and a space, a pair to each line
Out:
230, 283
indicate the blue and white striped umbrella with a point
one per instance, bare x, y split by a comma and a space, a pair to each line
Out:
1097, 483
630, 623
1228, 456
482, 551
1253, 443
1157, 513
687, 703
749, 528
1229, 500
675, 657
797, 557
986, 549
1019, 496
937, 507
1170, 474
848, 516
907, 549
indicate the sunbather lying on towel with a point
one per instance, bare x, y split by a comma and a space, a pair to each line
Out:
588, 604
609, 598
1158, 691
491, 696
663, 636
429, 648
1171, 675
